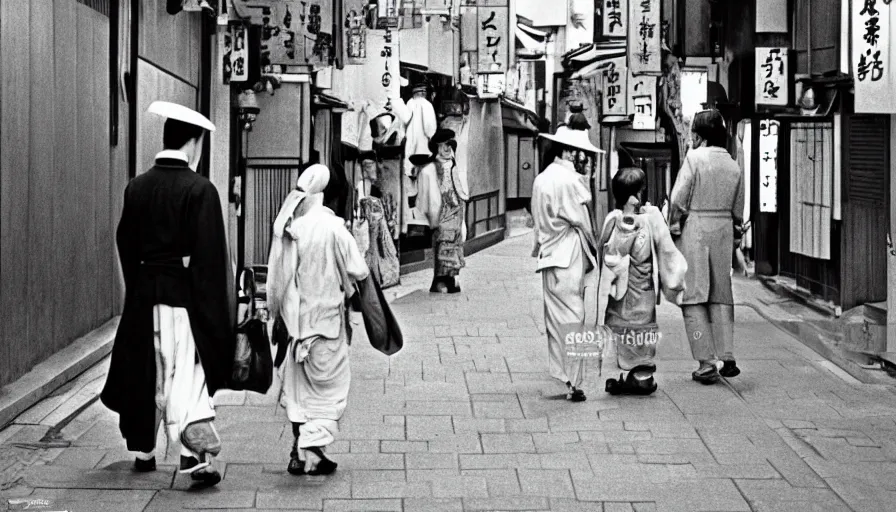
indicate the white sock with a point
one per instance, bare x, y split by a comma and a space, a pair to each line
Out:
145, 456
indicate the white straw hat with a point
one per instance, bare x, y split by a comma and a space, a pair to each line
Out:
575, 138
170, 110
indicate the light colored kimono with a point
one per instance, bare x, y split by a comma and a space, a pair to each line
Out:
638, 259
316, 373
564, 246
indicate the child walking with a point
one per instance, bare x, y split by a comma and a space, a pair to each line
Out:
637, 259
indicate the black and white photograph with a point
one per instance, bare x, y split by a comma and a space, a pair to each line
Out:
448, 255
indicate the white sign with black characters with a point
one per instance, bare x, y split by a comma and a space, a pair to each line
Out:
772, 76
768, 165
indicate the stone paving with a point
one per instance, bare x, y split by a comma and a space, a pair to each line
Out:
465, 418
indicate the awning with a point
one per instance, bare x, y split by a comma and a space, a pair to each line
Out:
518, 117
591, 59
530, 43
322, 100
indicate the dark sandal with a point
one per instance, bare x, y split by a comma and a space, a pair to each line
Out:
576, 395
325, 466
631, 385
729, 370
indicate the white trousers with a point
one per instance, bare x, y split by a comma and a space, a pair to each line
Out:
315, 388
181, 392
564, 312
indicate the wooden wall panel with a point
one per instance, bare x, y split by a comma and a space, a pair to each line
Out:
15, 117
42, 274
119, 155
171, 42
65, 210
103, 208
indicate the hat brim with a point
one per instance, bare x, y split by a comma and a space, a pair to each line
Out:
566, 142
421, 159
181, 113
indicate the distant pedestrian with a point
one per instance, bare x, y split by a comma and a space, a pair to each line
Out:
565, 247
638, 259
442, 195
316, 264
707, 220
175, 342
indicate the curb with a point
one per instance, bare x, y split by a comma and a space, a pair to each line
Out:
56, 371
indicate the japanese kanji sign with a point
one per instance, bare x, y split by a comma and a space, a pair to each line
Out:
615, 17
644, 37
236, 49
493, 38
293, 32
772, 76
355, 32
872, 57
642, 101
615, 102
768, 166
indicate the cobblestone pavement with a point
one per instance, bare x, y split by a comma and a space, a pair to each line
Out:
466, 418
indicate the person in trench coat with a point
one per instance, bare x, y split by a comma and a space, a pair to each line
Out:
706, 221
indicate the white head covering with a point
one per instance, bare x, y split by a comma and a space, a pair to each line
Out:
283, 258
309, 192
170, 110
574, 138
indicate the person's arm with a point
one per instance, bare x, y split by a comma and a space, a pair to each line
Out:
680, 202
126, 239
671, 264
573, 206
737, 211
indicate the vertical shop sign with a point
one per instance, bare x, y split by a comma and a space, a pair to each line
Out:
644, 33
615, 18
493, 36
236, 54
642, 101
772, 77
873, 59
355, 26
768, 165
386, 54
615, 102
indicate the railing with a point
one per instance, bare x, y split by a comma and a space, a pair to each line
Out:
483, 214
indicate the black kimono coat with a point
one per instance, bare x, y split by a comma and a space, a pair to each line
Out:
169, 212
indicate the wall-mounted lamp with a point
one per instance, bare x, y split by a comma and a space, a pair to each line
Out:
248, 109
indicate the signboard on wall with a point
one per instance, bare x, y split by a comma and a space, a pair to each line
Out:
768, 165
772, 77
615, 18
294, 32
644, 37
236, 54
873, 60
493, 47
615, 90
642, 101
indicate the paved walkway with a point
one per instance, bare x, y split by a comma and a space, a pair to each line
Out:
465, 418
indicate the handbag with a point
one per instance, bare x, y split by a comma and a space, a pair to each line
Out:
382, 328
253, 367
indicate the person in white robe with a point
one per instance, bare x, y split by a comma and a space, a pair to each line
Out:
313, 278
565, 247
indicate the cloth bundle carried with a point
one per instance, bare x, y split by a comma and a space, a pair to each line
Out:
382, 328
253, 367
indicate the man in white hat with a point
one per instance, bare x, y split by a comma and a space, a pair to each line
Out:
565, 247
175, 342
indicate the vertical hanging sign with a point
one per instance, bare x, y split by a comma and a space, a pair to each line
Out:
772, 77
642, 101
768, 166
615, 18
615, 89
872, 57
236, 54
355, 29
493, 46
644, 33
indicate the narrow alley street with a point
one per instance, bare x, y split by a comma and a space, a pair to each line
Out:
466, 418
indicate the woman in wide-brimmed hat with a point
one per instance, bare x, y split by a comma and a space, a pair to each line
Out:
565, 246
377, 210
442, 195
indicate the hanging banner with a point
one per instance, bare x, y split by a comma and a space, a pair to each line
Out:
493, 38
642, 101
644, 34
768, 165
355, 26
236, 54
615, 18
580, 30
873, 59
615, 90
293, 32
772, 77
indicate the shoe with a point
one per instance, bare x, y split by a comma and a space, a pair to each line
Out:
296, 466
438, 286
707, 374
206, 477
639, 381
453, 287
729, 370
190, 465
144, 466
575, 395
325, 466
